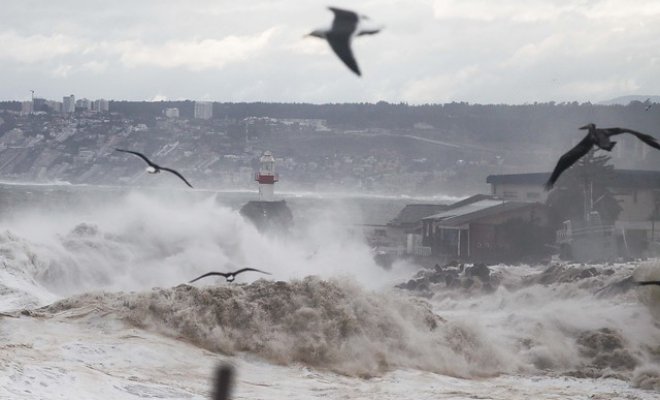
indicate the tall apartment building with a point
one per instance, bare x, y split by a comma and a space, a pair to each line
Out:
101, 105
203, 109
68, 104
84, 104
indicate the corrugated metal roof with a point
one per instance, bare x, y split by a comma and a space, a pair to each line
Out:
478, 210
499, 209
470, 200
466, 209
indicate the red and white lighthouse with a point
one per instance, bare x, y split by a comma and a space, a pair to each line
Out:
266, 177
268, 214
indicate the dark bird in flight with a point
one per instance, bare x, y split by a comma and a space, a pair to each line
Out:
230, 276
644, 283
599, 137
345, 26
154, 168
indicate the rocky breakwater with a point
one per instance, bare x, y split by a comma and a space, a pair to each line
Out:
477, 277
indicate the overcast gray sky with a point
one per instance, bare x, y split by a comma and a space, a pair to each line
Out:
431, 51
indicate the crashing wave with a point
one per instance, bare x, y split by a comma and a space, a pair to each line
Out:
478, 320
325, 324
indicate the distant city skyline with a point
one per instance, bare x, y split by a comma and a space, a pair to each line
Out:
430, 51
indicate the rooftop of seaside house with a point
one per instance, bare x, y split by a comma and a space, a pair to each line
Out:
520, 179
479, 210
412, 214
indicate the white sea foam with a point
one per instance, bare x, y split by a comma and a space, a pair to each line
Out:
570, 321
139, 241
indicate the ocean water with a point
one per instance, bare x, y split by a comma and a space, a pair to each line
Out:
95, 304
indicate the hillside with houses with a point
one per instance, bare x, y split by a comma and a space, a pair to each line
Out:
374, 148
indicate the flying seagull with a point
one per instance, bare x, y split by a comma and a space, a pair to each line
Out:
154, 168
339, 36
599, 137
644, 283
230, 276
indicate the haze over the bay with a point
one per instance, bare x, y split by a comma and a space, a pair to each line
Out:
434, 51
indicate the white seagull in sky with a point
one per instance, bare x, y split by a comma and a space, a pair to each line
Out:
344, 27
155, 168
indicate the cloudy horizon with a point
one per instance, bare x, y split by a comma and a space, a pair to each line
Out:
430, 51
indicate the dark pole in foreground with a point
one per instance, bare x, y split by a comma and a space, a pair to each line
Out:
222, 382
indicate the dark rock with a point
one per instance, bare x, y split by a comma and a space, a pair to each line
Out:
481, 271
271, 216
414, 284
453, 279
619, 287
587, 273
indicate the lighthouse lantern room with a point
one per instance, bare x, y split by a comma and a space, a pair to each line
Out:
266, 177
